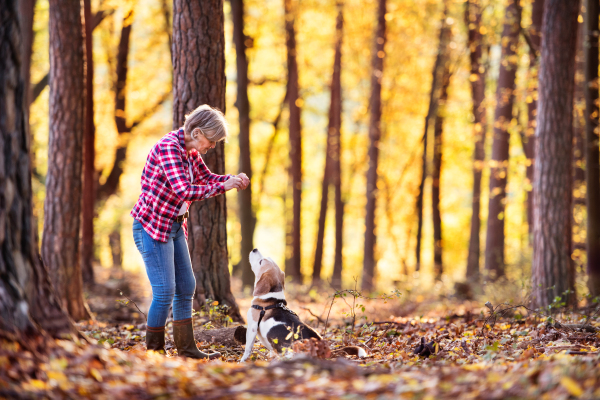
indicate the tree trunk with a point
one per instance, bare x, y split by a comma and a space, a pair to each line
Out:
28, 303
552, 272
26, 11
62, 207
434, 95
295, 137
199, 78
374, 137
332, 171
89, 171
114, 241
475, 40
537, 12
494, 245
247, 217
438, 267
592, 151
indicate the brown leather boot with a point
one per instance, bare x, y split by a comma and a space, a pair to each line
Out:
183, 335
155, 339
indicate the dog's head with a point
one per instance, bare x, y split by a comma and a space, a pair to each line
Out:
268, 276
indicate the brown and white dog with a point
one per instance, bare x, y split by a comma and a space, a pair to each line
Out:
278, 326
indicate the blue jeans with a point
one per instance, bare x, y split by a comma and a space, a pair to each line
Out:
169, 269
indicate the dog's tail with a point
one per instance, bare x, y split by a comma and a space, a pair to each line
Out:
353, 351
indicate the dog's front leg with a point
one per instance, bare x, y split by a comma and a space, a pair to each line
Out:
251, 333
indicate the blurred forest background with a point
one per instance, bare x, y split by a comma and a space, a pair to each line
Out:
437, 58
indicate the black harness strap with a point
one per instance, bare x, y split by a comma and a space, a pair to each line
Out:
280, 304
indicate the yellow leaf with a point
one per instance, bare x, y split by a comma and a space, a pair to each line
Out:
572, 387
474, 367
94, 372
37, 384
215, 303
57, 376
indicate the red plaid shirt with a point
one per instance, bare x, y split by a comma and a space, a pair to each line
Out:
166, 185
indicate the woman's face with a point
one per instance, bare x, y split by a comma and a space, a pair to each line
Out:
199, 142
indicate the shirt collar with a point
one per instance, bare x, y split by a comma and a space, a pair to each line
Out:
181, 136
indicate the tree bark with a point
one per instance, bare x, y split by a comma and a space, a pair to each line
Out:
374, 138
434, 95
552, 272
592, 151
494, 245
62, 206
537, 12
89, 155
247, 216
438, 266
475, 41
26, 12
28, 305
295, 138
199, 78
331, 173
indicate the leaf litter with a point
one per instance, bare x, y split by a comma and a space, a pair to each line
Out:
480, 354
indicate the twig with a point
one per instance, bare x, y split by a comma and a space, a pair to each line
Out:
134, 303
314, 315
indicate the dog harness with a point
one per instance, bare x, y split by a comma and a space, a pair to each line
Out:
279, 304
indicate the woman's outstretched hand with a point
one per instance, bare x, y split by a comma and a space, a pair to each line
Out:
245, 179
234, 183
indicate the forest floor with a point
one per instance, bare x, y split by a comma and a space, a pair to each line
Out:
419, 347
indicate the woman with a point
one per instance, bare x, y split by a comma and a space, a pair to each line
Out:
173, 177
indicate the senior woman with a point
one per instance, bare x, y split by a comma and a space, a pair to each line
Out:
173, 177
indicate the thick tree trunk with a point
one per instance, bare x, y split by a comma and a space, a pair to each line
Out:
199, 78
369, 261
28, 302
475, 41
592, 151
494, 245
247, 217
537, 12
332, 171
438, 266
434, 95
62, 207
89, 154
295, 138
26, 11
552, 272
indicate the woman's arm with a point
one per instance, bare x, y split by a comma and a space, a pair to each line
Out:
170, 161
203, 175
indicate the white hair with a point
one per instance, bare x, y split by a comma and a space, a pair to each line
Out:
209, 120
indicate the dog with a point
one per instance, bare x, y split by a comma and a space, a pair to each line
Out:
269, 318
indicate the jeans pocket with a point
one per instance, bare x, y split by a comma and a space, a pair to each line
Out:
137, 238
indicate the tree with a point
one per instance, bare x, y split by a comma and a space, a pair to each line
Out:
528, 139
199, 78
552, 269
438, 128
494, 244
434, 95
89, 155
247, 216
373, 152
62, 206
26, 11
592, 151
476, 48
28, 304
331, 173
295, 138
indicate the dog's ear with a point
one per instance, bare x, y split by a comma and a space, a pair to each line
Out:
264, 284
282, 278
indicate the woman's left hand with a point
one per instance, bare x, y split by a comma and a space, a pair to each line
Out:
245, 179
